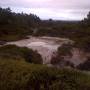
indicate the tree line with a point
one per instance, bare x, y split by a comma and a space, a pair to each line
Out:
14, 26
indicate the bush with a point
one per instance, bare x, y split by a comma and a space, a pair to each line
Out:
14, 52
20, 75
85, 65
64, 50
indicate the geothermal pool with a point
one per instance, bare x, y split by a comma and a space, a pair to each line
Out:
46, 46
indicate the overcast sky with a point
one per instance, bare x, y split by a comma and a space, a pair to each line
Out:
55, 9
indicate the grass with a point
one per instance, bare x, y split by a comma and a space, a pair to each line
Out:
12, 37
20, 75
17, 53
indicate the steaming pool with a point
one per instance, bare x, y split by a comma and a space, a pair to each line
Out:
45, 46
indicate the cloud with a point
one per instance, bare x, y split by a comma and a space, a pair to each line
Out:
57, 9
80, 4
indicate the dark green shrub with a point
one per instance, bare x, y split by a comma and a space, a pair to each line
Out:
64, 50
12, 51
85, 65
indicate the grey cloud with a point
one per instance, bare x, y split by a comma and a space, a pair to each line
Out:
73, 4
59, 9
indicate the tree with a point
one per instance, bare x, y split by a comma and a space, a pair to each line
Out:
5, 16
88, 16
86, 21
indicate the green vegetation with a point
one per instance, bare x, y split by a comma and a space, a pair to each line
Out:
20, 67
59, 58
78, 31
15, 26
20, 75
65, 49
14, 52
85, 66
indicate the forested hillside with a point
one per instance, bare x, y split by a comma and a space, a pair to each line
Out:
21, 68
15, 26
